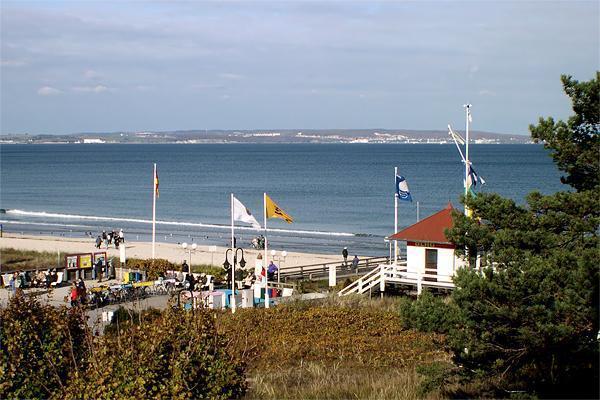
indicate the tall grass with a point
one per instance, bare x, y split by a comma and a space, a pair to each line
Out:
13, 259
316, 380
334, 348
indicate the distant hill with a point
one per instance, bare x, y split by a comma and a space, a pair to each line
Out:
270, 136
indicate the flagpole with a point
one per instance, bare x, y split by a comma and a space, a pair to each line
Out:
153, 211
395, 215
233, 263
467, 115
266, 252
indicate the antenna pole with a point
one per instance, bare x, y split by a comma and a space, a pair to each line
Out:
467, 162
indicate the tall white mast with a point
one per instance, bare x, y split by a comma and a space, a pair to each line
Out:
395, 215
467, 162
153, 211
233, 263
265, 264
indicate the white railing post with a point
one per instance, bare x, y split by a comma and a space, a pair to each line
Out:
382, 279
359, 287
332, 277
419, 283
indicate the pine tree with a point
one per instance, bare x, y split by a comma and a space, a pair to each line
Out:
531, 313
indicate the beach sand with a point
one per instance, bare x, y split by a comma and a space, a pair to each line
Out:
169, 251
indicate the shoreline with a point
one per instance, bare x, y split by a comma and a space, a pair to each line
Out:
169, 251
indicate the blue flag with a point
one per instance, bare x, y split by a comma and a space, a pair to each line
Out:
473, 179
402, 189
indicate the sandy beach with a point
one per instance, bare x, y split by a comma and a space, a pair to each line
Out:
168, 251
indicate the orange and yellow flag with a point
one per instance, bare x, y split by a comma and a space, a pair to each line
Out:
156, 182
273, 211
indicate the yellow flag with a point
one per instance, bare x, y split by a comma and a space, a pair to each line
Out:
273, 211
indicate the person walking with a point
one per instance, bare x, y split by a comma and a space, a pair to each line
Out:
345, 255
98, 241
355, 263
121, 236
185, 267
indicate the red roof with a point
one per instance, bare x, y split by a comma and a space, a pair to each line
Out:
431, 229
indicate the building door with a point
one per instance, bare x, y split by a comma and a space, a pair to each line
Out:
431, 261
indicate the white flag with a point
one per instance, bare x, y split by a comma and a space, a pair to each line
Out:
241, 213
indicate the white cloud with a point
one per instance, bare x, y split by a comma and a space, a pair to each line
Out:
144, 88
12, 63
485, 92
92, 89
48, 91
91, 74
230, 76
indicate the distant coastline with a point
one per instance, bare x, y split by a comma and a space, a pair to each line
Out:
288, 136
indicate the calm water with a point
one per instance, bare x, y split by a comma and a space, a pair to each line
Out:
338, 194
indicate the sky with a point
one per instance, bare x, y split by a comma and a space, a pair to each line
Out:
112, 66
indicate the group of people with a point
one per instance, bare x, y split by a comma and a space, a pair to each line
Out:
25, 279
355, 260
190, 282
78, 293
112, 237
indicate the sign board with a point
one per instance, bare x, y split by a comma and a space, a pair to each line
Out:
72, 262
85, 261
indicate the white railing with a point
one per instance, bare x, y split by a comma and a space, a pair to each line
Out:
373, 278
398, 274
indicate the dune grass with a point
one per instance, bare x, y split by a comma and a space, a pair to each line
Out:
335, 348
13, 259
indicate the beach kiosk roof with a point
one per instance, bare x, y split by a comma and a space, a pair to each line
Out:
430, 229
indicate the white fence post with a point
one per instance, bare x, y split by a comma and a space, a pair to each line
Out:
419, 283
332, 277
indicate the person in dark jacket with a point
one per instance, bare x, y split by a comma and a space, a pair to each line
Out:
345, 255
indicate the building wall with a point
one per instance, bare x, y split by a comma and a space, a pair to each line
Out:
447, 265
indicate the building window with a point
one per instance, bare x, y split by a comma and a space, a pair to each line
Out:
431, 261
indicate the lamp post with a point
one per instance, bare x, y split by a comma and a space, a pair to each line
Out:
193, 248
282, 260
227, 266
389, 244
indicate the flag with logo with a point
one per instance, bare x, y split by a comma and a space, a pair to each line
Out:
242, 214
273, 211
473, 179
402, 191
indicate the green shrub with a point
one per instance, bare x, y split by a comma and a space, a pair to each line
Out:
176, 355
429, 313
49, 353
40, 346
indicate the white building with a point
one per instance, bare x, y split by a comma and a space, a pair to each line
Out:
431, 260
429, 253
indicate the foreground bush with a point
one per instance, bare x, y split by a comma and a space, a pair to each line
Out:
177, 355
40, 346
50, 353
429, 313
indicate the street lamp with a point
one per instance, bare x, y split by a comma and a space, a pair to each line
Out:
193, 248
283, 256
389, 244
227, 266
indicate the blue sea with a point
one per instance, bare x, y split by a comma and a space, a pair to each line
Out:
338, 194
